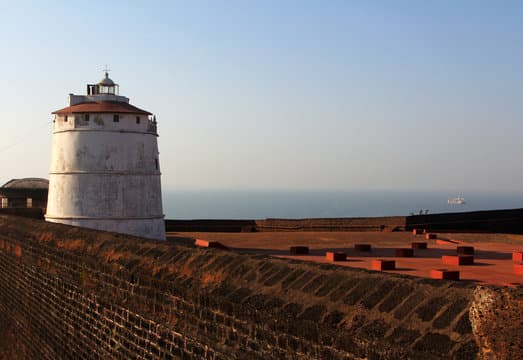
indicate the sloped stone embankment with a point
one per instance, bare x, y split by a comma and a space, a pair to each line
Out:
77, 293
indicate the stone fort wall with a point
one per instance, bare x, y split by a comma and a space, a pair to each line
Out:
390, 223
67, 292
489, 221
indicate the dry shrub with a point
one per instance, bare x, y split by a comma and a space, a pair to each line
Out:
45, 236
212, 278
93, 248
172, 269
18, 250
112, 255
186, 271
158, 269
71, 244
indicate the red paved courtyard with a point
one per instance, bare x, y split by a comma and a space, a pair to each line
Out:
493, 263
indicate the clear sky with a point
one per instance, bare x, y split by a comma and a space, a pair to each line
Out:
340, 95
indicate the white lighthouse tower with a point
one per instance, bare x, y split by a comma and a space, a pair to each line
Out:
105, 171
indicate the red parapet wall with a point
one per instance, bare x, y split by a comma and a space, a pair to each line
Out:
392, 223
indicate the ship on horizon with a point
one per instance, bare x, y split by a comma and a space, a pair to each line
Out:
459, 200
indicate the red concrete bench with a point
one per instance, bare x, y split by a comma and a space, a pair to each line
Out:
465, 250
457, 260
299, 250
517, 256
335, 256
418, 231
362, 247
419, 245
431, 236
210, 244
405, 252
381, 265
443, 274
518, 269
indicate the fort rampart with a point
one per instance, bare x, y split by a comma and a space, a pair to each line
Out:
486, 221
326, 224
492, 221
67, 292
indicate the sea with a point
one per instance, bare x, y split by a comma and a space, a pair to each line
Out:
262, 204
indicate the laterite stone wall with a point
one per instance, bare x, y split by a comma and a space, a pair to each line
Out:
76, 293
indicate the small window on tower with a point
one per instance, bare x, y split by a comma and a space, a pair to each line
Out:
65, 118
86, 117
156, 163
116, 118
29, 202
137, 119
5, 202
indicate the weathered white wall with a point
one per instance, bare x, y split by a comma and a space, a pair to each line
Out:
94, 151
104, 195
104, 175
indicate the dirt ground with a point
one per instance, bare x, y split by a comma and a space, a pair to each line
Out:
492, 260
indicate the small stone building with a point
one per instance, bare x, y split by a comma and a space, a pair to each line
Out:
24, 193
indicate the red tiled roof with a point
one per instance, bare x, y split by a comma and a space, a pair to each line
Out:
111, 107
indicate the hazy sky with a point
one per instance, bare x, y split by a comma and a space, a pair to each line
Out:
348, 95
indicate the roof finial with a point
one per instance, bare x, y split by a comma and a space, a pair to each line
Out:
106, 71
